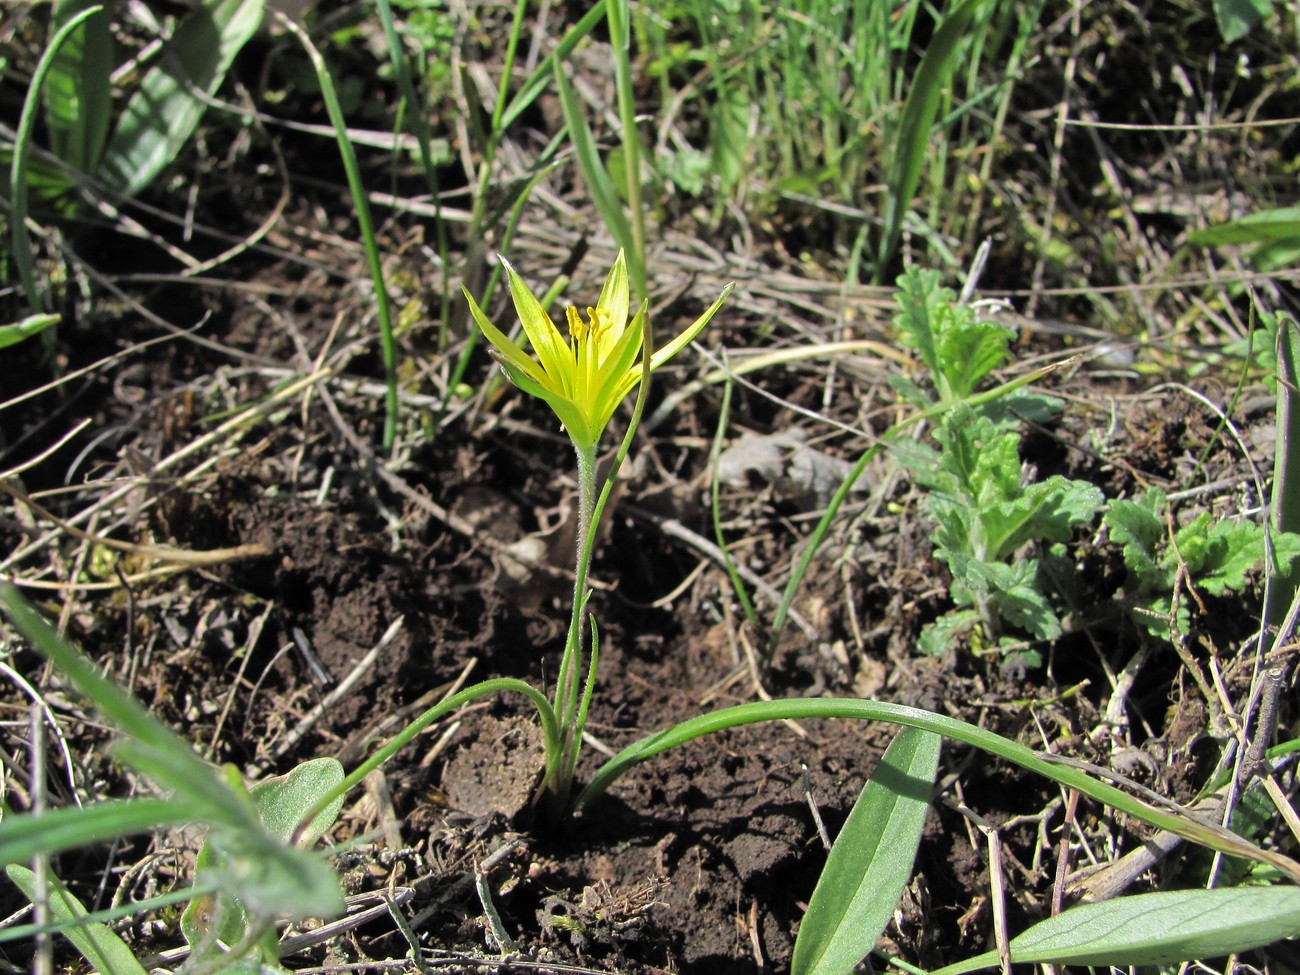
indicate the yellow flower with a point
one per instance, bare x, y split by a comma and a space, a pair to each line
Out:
585, 376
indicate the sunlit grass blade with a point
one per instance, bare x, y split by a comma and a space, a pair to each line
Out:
603, 194
917, 123
871, 861
540, 79
621, 45
163, 113
1162, 928
365, 225
24, 837
98, 944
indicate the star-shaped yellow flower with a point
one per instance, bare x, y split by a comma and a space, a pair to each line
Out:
585, 376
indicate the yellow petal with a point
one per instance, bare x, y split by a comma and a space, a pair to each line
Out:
551, 348
615, 298
510, 353
681, 341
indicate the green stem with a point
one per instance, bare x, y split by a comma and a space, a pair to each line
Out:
567, 686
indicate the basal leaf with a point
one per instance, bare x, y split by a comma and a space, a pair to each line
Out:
98, 944
162, 115
77, 91
1164, 928
280, 801
871, 860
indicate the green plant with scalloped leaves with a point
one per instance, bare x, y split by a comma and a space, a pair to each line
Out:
1213, 555
989, 517
990, 521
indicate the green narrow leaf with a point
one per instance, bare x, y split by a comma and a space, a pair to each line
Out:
599, 185
104, 950
1164, 928
78, 96
23, 837
871, 860
163, 114
918, 119
1254, 228
29, 326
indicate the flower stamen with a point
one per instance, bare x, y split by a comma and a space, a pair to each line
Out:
577, 327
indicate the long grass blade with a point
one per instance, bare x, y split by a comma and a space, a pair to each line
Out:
599, 185
1062, 772
917, 122
360, 201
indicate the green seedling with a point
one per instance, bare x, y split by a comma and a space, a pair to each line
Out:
1214, 555
987, 517
987, 514
253, 870
212, 920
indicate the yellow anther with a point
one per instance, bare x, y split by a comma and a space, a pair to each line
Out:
577, 327
600, 322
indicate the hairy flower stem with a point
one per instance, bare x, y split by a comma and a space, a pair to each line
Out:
567, 703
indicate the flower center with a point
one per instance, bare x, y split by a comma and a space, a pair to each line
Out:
580, 331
